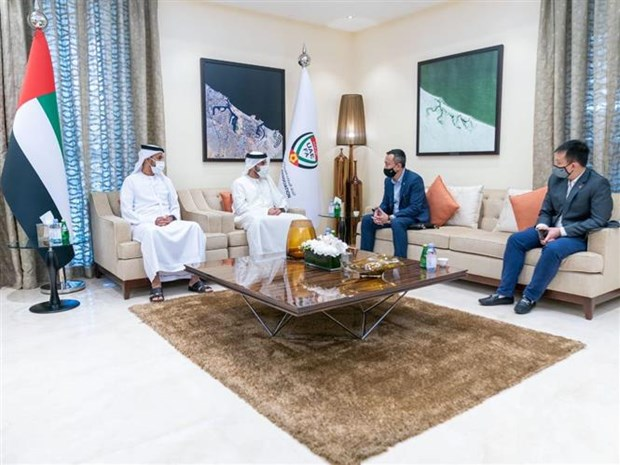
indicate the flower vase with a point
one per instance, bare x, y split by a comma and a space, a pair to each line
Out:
341, 175
324, 262
355, 203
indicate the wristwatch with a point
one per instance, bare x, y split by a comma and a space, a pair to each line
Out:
391, 217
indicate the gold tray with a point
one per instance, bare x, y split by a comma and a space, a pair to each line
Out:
373, 267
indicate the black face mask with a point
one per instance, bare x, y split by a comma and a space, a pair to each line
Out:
389, 172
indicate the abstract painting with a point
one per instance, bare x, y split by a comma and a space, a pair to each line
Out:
459, 103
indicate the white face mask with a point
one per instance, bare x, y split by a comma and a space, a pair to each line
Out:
263, 171
159, 167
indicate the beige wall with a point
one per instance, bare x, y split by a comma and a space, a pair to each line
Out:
387, 72
191, 30
380, 63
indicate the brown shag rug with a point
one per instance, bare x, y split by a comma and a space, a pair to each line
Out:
347, 399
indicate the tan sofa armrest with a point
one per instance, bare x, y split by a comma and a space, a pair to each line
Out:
606, 242
108, 231
299, 211
210, 222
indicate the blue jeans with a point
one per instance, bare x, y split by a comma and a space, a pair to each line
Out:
399, 227
548, 264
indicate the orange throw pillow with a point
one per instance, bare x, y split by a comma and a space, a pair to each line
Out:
440, 202
526, 207
227, 201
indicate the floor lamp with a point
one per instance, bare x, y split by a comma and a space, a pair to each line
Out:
352, 131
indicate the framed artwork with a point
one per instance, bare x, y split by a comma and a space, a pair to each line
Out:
242, 110
459, 103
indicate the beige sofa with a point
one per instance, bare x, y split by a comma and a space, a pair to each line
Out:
586, 278
117, 256
204, 205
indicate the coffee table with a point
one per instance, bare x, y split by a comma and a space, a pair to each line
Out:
298, 290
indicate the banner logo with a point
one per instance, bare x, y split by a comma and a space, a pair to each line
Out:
304, 153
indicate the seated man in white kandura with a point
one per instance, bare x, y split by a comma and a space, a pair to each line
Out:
260, 208
149, 202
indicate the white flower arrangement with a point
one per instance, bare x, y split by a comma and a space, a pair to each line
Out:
326, 245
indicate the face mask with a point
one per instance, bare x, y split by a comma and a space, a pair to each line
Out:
560, 172
159, 167
262, 171
389, 172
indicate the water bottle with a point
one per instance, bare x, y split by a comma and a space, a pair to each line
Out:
337, 210
55, 233
64, 233
423, 256
431, 258
328, 231
330, 209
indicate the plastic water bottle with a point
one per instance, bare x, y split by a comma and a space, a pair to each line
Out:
423, 256
64, 233
431, 258
337, 207
328, 231
55, 233
330, 209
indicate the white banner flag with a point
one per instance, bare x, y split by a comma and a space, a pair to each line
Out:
299, 178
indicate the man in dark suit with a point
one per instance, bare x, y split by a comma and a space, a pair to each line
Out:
404, 203
578, 201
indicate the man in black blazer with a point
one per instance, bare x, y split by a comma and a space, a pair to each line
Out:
404, 203
578, 201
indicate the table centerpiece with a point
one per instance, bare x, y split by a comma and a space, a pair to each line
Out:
324, 252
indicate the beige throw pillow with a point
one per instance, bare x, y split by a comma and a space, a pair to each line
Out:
506, 221
469, 199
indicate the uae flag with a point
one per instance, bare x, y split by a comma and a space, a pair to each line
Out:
299, 178
34, 180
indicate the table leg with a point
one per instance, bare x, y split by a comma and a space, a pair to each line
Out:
55, 305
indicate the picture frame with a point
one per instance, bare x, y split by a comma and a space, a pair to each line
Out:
243, 110
459, 103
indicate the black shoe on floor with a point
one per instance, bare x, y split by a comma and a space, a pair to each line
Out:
496, 299
524, 306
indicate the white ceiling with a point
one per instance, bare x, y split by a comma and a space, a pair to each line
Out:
346, 15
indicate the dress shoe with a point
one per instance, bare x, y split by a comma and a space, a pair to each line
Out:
524, 306
496, 299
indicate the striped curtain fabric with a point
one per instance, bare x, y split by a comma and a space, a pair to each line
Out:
578, 84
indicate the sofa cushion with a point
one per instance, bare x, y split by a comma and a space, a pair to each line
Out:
216, 241
469, 199
527, 207
237, 238
507, 221
480, 242
440, 237
582, 262
441, 203
227, 201
128, 250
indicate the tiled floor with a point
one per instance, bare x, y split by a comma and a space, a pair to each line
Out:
96, 385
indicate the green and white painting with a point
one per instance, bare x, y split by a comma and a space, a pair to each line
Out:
459, 103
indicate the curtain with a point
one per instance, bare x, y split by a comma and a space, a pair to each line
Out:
108, 81
578, 84
18, 267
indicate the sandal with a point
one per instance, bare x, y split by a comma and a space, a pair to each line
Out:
199, 287
157, 294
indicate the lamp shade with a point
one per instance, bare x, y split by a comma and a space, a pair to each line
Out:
351, 121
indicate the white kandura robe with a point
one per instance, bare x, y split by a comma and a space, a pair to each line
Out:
252, 199
165, 249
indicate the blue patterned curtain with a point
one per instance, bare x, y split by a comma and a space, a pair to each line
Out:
578, 83
90, 44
